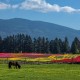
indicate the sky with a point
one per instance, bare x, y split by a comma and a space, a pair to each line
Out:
62, 12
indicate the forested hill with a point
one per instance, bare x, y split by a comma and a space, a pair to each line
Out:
36, 29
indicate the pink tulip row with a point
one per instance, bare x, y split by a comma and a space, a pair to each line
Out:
31, 55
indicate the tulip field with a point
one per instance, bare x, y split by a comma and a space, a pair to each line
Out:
53, 71
38, 57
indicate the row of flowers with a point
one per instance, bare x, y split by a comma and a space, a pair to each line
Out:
30, 55
40, 57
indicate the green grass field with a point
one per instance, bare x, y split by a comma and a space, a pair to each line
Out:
41, 72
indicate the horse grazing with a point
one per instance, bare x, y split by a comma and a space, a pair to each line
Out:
15, 64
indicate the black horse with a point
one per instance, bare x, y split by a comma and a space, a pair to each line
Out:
15, 64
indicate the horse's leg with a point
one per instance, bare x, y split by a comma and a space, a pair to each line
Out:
15, 66
18, 65
9, 65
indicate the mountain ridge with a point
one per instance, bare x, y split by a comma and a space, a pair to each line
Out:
36, 29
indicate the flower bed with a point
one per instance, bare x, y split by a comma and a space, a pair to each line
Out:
60, 58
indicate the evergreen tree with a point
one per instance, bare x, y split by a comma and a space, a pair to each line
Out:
61, 45
51, 46
28, 45
43, 45
1, 43
77, 42
35, 45
66, 47
75, 46
56, 46
47, 46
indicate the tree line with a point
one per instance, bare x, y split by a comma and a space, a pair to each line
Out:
24, 43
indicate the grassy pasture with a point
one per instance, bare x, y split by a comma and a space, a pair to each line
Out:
41, 72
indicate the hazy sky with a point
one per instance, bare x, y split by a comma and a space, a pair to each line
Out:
63, 12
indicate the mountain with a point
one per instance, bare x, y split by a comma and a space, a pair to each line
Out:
36, 29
